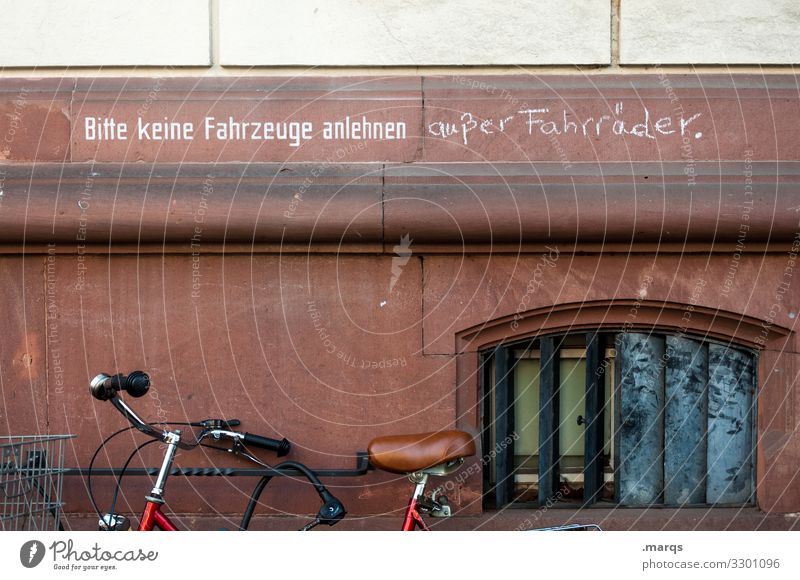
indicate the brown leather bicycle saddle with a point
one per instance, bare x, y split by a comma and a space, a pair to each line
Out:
412, 453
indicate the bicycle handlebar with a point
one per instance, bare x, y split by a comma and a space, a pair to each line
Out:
105, 388
134, 419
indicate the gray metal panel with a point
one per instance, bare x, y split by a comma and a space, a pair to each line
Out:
685, 421
641, 430
730, 425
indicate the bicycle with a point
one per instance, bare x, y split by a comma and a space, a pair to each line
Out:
418, 456
106, 388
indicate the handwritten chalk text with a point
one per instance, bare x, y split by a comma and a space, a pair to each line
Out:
640, 123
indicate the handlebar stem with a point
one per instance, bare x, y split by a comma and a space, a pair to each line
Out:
172, 439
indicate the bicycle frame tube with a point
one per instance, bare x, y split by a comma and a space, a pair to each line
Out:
413, 517
153, 517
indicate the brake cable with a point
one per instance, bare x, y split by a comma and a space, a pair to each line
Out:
122, 474
91, 466
119, 480
312, 478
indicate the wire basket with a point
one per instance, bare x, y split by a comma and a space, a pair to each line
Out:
31, 481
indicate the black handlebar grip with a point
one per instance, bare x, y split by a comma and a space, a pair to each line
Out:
281, 447
137, 384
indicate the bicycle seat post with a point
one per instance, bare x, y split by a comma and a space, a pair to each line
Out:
413, 518
419, 480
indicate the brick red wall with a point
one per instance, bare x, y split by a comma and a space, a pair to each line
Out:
289, 307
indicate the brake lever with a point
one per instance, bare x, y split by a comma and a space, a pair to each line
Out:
212, 424
218, 434
237, 446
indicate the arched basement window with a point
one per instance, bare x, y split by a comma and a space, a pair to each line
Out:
631, 418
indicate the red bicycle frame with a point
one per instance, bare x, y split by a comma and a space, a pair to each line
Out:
153, 517
413, 518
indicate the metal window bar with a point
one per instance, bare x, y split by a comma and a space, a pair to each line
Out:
31, 482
